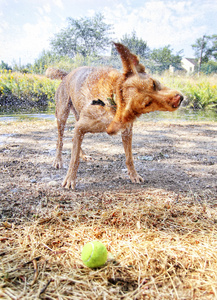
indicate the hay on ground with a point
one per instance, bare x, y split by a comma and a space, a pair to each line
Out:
161, 246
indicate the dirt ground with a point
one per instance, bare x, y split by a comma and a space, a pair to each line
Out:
177, 159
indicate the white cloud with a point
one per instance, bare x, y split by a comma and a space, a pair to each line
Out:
58, 3
3, 25
24, 41
27, 26
44, 9
29, 42
159, 22
35, 37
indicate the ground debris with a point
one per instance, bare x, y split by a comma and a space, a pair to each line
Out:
161, 235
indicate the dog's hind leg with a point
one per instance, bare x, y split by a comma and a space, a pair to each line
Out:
83, 155
127, 143
62, 113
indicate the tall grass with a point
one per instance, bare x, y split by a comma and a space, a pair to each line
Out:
200, 92
30, 91
26, 91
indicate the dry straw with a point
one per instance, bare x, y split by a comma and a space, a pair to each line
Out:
161, 245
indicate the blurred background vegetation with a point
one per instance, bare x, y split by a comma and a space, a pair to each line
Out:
88, 42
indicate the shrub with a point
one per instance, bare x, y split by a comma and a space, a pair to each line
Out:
26, 91
200, 92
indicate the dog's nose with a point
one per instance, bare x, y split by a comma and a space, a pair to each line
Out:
177, 100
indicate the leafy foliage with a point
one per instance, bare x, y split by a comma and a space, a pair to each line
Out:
205, 48
26, 91
162, 58
31, 92
209, 67
85, 36
4, 66
202, 95
200, 92
136, 45
46, 59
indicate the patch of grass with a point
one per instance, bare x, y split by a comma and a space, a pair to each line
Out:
31, 91
200, 92
19, 91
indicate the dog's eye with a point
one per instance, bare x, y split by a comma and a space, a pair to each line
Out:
148, 104
154, 86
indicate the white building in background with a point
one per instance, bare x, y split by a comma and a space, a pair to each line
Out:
189, 65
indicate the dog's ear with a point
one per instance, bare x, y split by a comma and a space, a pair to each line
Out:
129, 60
131, 66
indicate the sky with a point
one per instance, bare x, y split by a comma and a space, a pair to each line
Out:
27, 26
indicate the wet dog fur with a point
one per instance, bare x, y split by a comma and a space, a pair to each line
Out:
106, 100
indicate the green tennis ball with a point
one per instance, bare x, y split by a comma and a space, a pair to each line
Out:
94, 254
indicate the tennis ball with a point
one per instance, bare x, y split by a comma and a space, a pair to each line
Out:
94, 254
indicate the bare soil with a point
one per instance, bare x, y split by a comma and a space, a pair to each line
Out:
177, 159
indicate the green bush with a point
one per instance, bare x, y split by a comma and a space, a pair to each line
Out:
201, 95
200, 92
209, 68
36, 92
26, 91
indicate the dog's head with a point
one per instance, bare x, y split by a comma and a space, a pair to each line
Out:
137, 93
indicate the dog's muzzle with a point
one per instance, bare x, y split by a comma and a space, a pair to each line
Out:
177, 100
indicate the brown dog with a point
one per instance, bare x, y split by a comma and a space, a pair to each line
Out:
103, 99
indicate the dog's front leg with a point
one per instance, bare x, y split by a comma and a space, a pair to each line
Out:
127, 143
58, 162
70, 179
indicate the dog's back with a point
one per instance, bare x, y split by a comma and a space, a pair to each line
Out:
84, 84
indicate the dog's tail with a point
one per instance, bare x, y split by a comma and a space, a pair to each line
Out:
53, 73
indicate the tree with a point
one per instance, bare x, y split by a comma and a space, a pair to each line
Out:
4, 66
209, 67
214, 49
162, 59
136, 45
85, 36
205, 48
45, 59
202, 50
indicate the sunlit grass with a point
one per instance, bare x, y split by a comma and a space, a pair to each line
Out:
200, 92
29, 87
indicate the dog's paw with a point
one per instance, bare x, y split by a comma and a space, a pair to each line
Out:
68, 183
58, 164
136, 178
85, 157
